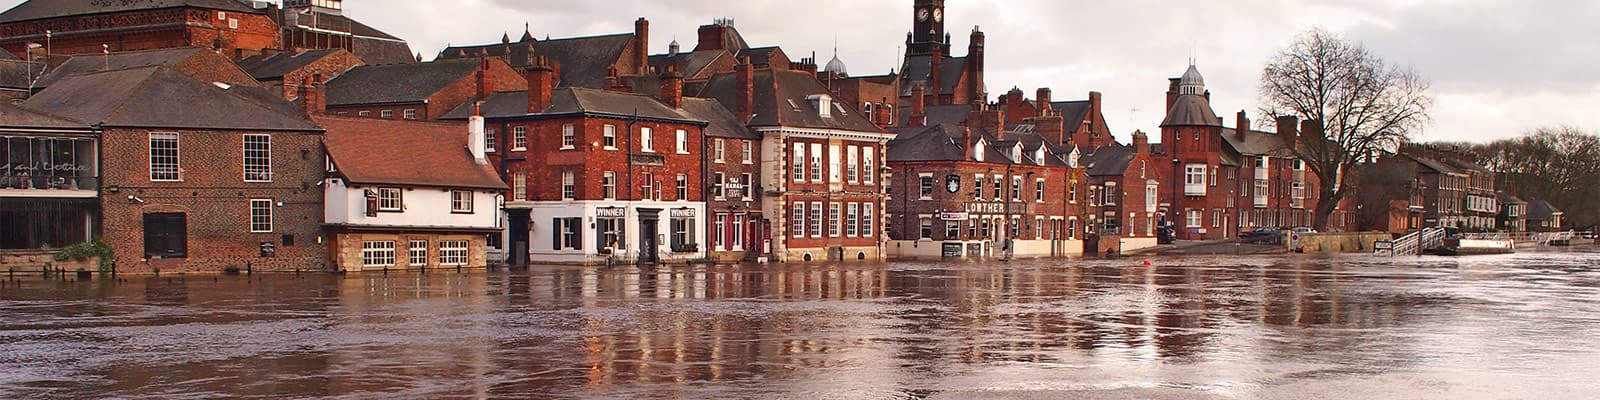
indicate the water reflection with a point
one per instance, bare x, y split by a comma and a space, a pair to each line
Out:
1189, 327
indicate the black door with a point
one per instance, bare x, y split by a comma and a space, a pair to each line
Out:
517, 256
166, 235
649, 246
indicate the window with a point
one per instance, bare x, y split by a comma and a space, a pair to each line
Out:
1151, 190
720, 232
798, 223
610, 234
1016, 188
834, 221
1213, 176
1216, 218
997, 184
852, 214
852, 167
166, 235
683, 188
718, 185
834, 173
648, 189
816, 162
867, 218
260, 216
952, 230
386, 114
1194, 219
816, 219
868, 165
610, 137
799, 161
519, 138
453, 252
409, 114
738, 232
682, 231
364, 113
257, 158
519, 186
977, 187
1109, 194
389, 199
647, 140
682, 137
748, 151
745, 186
717, 152
233, 23
488, 140
569, 186
417, 250
925, 191
1038, 191
987, 227
377, 253
461, 201
927, 228
567, 234
608, 186
1072, 194
569, 137
1194, 180
164, 158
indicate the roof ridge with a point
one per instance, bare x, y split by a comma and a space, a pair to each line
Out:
41, 113
143, 83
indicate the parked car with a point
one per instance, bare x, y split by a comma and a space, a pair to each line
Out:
1303, 230
1166, 236
1262, 235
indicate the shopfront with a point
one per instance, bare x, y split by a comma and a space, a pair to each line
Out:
48, 191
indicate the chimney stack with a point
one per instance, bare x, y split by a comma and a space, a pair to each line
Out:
1286, 128
1042, 99
1311, 129
747, 79
672, 87
541, 82
475, 136
312, 98
975, 66
991, 118
485, 88
1172, 93
1141, 142
715, 35
919, 106
641, 46
1241, 124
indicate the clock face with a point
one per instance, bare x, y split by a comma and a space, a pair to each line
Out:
922, 15
938, 15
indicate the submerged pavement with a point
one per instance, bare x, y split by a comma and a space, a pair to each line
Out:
1201, 327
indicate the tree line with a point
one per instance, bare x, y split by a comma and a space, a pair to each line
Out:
1560, 165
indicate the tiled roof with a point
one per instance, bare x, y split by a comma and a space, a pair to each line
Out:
41, 9
272, 67
944, 114
723, 123
1109, 160
1435, 165
584, 61
917, 71
786, 102
119, 60
165, 98
1540, 210
575, 100
6, 55
18, 117
400, 152
1255, 143
1508, 198
690, 64
397, 83
14, 74
1191, 110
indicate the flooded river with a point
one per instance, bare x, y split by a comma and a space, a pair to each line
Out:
1501, 327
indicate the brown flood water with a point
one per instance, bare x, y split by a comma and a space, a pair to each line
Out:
1293, 327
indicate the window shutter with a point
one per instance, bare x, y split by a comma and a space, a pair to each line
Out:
577, 229
555, 234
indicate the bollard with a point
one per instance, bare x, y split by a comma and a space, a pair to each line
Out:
248, 269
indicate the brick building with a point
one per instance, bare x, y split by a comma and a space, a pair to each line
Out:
90, 27
282, 72
228, 183
929, 64
1121, 195
735, 228
820, 160
597, 174
322, 25
200, 63
1229, 180
408, 194
17, 78
49, 180
417, 91
589, 62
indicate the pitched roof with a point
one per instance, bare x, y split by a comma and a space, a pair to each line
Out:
18, 117
400, 152
120, 60
163, 97
781, 98
690, 64
1256, 143
1191, 110
1110, 160
575, 100
584, 61
41, 9
396, 83
1508, 198
917, 70
14, 74
928, 143
1432, 164
1540, 210
723, 123
370, 44
941, 114
272, 67
6, 55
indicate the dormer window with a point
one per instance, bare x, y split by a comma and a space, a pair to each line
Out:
1038, 156
823, 104
977, 151
1016, 154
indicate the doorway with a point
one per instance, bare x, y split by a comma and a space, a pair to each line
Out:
649, 241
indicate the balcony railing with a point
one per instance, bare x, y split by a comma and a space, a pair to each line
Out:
45, 183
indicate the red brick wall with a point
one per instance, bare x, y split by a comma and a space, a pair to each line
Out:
906, 206
500, 75
215, 199
544, 161
212, 67
124, 31
329, 67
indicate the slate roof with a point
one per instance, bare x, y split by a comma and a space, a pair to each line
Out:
690, 64
760, 56
917, 68
1256, 143
6, 55
943, 114
944, 143
400, 152
1191, 110
14, 74
1435, 165
1508, 198
18, 117
1073, 112
575, 100
1110, 160
1540, 210
785, 102
165, 98
41, 9
723, 123
272, 67
397, 83
120, 60
584, 61
371, 45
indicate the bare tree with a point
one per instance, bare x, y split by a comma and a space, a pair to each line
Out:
1366, 106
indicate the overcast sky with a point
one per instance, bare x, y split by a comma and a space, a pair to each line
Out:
1498, 68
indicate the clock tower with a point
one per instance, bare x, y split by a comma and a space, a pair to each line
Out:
927, 29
